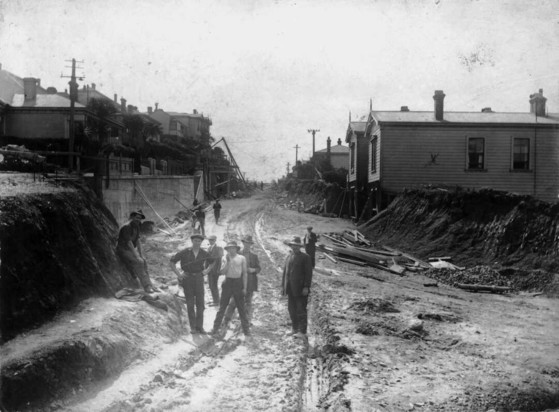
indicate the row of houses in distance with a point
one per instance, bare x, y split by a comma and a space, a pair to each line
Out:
42, 117
390, 151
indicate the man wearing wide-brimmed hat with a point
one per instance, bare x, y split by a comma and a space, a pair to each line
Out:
129, 250
194, 264
234, 285
296, 284
253, 269
216, 254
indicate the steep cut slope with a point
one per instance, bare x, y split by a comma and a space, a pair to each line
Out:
56, 250
474, 227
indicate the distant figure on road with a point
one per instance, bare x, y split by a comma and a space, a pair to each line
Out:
194, 265
310, 244
216, 254
234, 285
217, 211
253, 269
296, 284
200, 216
129, 250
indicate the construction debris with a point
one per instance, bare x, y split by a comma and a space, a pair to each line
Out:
483, 288
351, 246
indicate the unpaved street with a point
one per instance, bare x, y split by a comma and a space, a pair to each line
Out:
385, 343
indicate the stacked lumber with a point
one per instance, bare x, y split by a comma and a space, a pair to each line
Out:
351, 246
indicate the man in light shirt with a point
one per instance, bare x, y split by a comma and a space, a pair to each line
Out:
234, 285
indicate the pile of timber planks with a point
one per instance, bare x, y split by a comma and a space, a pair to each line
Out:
351, 246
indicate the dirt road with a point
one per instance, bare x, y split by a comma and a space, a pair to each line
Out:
375, 344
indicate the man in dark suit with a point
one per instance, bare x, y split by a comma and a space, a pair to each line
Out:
296, 284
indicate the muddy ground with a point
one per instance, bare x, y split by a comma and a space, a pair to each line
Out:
377, 341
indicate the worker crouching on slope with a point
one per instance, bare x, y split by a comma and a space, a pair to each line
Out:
194, 264
129, 250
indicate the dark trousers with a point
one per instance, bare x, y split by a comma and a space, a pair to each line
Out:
135, 266
297, 307
230, 312
216, 215
193, 286
311, 251
232, 288
212, 283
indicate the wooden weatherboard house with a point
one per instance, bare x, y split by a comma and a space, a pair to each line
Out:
513, 152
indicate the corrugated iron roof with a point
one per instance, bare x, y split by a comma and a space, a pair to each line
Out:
43, 100
463, 117
10, 84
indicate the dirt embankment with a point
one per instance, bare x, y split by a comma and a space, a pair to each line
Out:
313, 192
56, 250
484, 227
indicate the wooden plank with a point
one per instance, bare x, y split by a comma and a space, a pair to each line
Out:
419, 262
354, 262
332, 258
483, 288
440, 258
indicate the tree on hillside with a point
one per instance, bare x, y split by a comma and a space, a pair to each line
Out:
97, 132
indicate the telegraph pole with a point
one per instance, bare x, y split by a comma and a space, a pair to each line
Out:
73, 97
313, 131
296, 153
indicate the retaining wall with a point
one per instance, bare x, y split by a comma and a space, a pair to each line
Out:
124, 194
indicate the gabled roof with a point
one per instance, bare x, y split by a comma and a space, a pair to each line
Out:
85, 95
355, 127
462, 117
42, 100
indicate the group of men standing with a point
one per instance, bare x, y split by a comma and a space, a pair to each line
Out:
239, 266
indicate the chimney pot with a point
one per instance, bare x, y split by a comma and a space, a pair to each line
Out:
156, 105
150, 110
404, 109
195, 111
339, 142
439, 104
537, 103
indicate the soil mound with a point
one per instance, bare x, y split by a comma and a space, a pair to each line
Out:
56, 249
474, 227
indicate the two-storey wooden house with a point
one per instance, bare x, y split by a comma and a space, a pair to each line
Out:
513, 152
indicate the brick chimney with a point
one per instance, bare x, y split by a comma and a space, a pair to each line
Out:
537, 103
486, 110
339, 142
116, 98
123, 105
150, 110
328, 144
156, 105
93, 86
439, 104
30, 88
130, 108
404, 109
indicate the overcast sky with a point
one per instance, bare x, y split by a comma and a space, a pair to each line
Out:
266, 71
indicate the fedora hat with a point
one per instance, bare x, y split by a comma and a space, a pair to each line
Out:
197, 236
247, 239
137, 213
232, 243
296, 241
